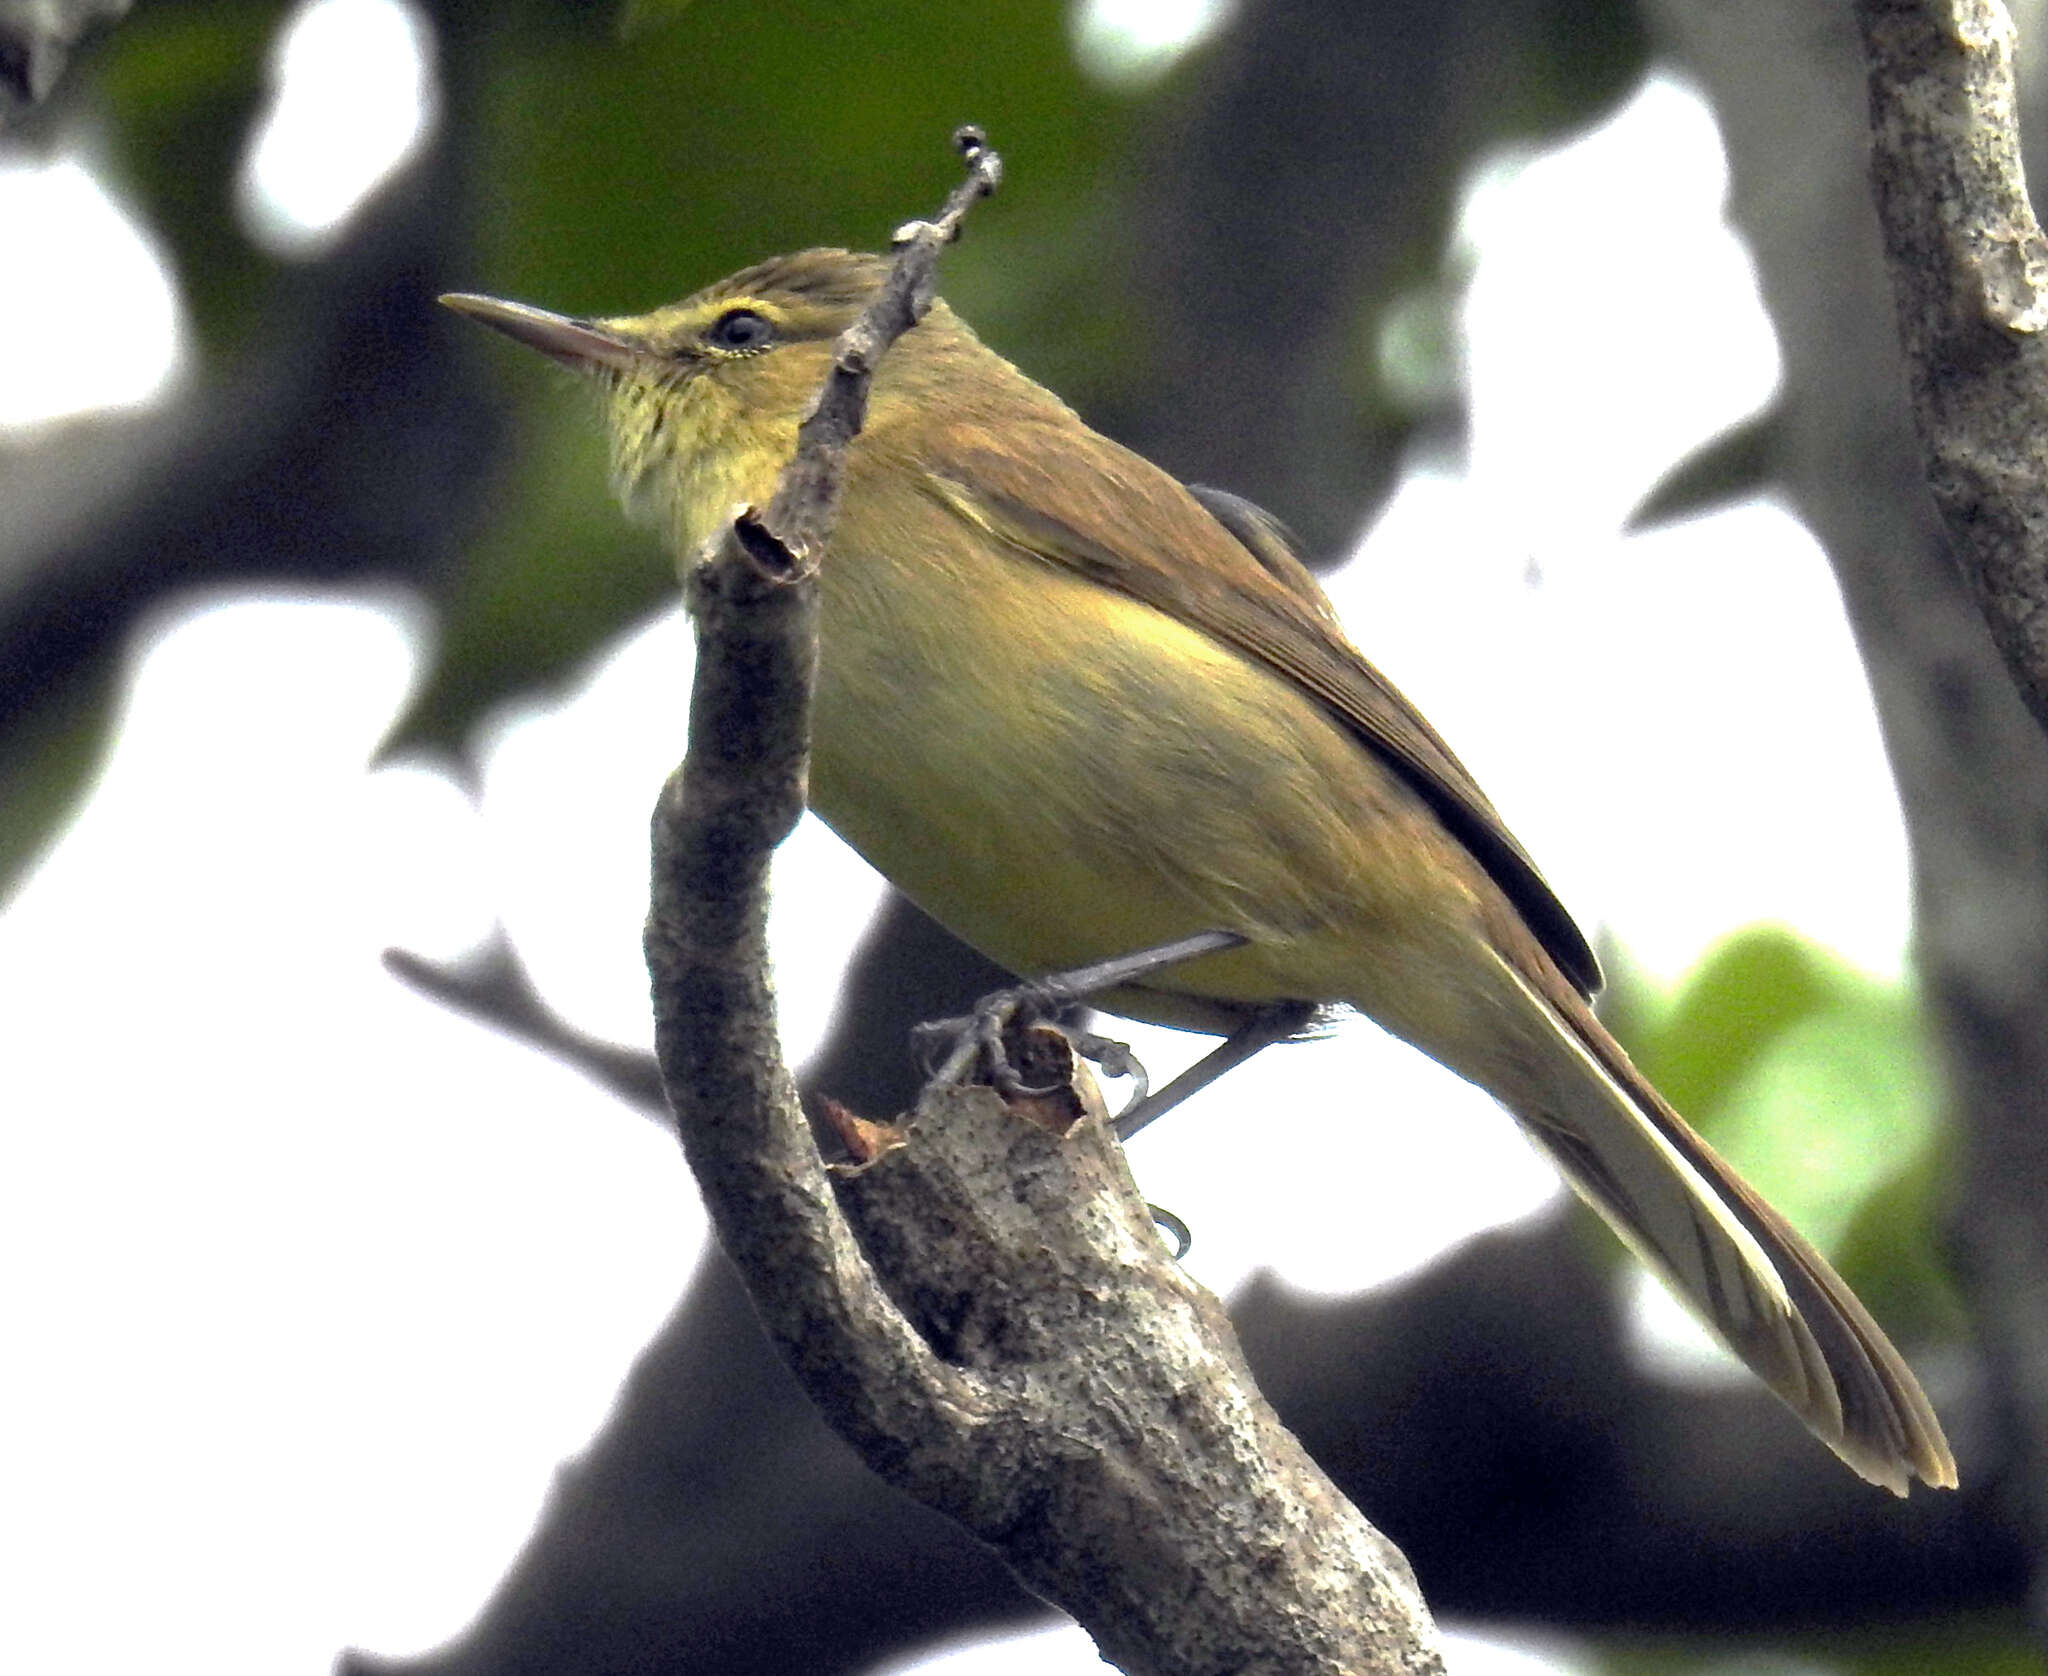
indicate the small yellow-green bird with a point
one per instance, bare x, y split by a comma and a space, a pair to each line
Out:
1074, 711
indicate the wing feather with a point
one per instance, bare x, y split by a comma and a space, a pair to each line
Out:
1253, 595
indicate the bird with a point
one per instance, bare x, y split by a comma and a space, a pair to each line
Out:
1074, 709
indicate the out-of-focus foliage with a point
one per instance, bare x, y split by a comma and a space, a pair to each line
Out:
1993, 1647
556, 575
1815, 1081
617, 176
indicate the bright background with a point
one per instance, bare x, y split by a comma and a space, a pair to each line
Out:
418, 1289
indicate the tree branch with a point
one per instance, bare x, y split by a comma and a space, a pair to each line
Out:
1970, 281
36, 38
1005, 1338
1798, 93
492, 986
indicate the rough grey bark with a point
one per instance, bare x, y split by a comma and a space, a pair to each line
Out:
1005, 1337
1969, 271
1789, 85
1129, 1468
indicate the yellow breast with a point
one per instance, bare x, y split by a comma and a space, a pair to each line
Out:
1058, 773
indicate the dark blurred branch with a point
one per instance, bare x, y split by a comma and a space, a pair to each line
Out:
36, 38
1969, 272
492, 987
1306, 182
342, 440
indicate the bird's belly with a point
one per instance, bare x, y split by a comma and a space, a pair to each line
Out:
1063, 774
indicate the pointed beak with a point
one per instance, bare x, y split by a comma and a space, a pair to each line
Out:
575, 343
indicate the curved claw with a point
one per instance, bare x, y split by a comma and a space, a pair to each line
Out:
949, 1048
1183, 1238
1114, 1059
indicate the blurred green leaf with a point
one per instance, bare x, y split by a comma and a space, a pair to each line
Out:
1985, 1645
1892, 1254
1709, 1659
1817, 1083
1751, 988
622, 176
1834, 1108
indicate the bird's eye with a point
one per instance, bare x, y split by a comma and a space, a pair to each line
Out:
738, 330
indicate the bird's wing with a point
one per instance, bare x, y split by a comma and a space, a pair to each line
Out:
1271, 542
1129, 526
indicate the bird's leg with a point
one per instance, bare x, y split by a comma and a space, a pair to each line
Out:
979, 1037
1273, 1023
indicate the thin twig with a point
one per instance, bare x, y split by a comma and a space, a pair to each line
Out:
493, 987
807, 499
737, 795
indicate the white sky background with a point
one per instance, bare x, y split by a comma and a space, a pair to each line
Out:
359, 1275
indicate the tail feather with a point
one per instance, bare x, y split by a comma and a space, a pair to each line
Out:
1735, 1261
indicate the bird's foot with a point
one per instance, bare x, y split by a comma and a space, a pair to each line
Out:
977, 1046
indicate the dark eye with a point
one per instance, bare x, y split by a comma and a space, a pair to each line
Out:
738, 330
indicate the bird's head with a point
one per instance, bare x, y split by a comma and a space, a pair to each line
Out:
703, 397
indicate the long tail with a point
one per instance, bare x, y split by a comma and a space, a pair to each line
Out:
1736, 1262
